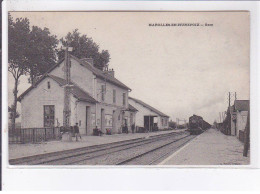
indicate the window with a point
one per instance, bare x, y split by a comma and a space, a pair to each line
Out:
49, 85
93, 119
108, 119
114, 96
103, 90
124, 99
49, 115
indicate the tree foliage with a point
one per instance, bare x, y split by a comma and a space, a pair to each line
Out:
41, 53
30, 51
84, 47
17, 54
18, 40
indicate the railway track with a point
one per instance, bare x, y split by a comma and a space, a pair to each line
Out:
79, 155
156, 155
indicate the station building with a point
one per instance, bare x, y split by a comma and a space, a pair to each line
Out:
239, 113
97, 98
147, 116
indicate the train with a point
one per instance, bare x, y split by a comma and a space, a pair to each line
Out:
197, 125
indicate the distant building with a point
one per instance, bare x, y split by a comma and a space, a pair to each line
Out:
147, 116
97, 99
239, 113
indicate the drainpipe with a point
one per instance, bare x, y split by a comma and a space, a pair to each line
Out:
76, 107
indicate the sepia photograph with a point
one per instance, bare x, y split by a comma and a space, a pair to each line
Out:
129, 88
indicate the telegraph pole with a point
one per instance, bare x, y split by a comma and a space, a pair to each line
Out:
66, 111
229, 116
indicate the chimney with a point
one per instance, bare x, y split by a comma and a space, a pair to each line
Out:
88, 60
111, 72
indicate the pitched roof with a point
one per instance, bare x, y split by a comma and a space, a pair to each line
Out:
132, 108
75, 90
97, 72
241, 105
149, 107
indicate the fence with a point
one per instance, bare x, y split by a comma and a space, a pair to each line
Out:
34, 135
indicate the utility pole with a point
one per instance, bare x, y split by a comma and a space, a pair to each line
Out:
66, 110
229, 116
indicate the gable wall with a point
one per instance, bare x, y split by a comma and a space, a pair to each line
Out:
143, 111
33, 102
80, 75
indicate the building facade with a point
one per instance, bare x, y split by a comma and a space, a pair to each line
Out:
239, 112
148, 117
97, 99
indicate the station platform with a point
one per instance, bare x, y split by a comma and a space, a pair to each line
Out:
24, 150
210, 148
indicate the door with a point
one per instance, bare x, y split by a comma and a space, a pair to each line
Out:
102, 120
114, 121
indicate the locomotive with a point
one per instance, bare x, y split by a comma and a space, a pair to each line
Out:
197, 125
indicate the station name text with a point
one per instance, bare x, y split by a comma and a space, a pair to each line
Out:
178, 24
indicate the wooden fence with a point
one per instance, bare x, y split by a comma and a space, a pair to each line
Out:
34, 135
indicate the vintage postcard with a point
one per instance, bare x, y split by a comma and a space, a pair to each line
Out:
129, 88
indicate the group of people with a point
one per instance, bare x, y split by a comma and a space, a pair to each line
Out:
74, 130
125, 128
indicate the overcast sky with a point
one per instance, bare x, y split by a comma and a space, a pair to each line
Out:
181, 70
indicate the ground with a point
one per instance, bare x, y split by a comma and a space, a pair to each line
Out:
210, 148
23, 150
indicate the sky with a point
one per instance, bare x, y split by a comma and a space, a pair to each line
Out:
180, 70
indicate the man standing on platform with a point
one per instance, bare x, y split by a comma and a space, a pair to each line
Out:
76, 130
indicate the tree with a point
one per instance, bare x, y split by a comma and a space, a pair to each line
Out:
17, 54
42, 52
11, 111
84, 47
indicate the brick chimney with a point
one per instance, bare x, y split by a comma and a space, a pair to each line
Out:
88, 60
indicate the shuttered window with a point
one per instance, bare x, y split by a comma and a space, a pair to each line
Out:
124, 102
103, 90
114, 96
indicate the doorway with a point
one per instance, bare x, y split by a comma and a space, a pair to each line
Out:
149, 123
102, 120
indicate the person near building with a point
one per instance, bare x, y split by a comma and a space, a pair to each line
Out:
133, 128
76, 131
